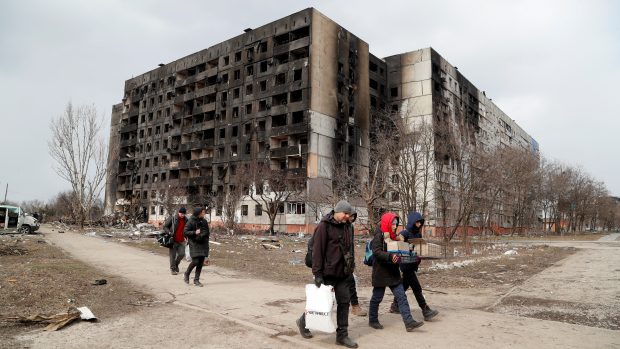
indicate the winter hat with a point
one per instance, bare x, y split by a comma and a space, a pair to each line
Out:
197, 211
344, 206
182, 210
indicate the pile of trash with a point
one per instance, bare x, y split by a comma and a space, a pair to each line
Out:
54, 322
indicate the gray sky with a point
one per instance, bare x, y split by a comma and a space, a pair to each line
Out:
550, 65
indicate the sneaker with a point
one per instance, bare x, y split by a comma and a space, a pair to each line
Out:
303, 331
197, 283
375, 325
347, 342
428, 313
358, 311
413, 325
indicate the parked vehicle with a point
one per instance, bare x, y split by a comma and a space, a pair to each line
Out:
13, 217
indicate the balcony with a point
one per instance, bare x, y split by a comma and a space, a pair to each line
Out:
294, 150
128, 128
293, 129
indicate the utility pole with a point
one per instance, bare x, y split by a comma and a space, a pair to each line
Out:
6, 191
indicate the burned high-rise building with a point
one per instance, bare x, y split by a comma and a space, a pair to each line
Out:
296, 92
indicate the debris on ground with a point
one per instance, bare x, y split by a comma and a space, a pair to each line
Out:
55, 322
272, 246
99, 282
511, 253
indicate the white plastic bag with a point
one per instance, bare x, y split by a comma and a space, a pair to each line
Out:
319, 305
188, 258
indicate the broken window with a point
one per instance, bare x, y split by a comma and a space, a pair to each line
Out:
235, 112
248, 109
225, 78
278, 120
281, 58
262, 47
262, 105
299, 53
298, 117
226, 60
258, 209
236, 93
280, 39
300, 33
244, 210
296, 74
237, 74
279, 99
247, 128
296, 96
394, 92
262, 66
235, 131
222, 133
237, 56
248, 89
261, 125
263, 85
247, 148
249, 70
281, 79
373, 84
233, 152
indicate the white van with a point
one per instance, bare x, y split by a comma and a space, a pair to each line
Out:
14, 218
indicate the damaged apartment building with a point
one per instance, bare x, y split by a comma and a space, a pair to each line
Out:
296, 92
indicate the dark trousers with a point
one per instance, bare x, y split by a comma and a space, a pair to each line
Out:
410, 279
343, 299
353, 290
176, 253
196, 262
401, 300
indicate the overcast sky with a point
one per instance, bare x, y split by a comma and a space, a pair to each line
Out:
550, 65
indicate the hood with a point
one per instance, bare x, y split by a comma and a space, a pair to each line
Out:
413, 217
386, 223
329, 218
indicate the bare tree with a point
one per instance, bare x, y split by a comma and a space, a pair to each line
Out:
80, 153
272, 188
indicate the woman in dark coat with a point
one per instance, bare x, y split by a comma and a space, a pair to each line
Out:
197, 234
385, 273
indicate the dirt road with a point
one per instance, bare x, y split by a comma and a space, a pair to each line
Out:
232, 311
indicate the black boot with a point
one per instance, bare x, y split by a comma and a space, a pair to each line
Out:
347, 342
413, 325
197, 283
428, 313
186, 277
301, 325
375, 325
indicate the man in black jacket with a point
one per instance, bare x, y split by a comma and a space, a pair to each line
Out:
415, 222
332, 264
197, 234
175, 225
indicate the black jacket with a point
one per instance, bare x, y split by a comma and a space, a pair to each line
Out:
327, 258
384, 272
198, 244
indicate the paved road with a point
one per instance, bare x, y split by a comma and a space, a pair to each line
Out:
266, 311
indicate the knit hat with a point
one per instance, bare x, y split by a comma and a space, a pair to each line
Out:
182, 210
197, 211
344, 206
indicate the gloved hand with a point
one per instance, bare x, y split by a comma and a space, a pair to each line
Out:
318, 280
395, 258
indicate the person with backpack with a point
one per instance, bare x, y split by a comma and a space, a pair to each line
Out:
197, 234
332, 264
385, 273
174, 226
415, 222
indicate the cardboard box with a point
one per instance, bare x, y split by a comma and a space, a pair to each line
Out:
426, 249
398, 246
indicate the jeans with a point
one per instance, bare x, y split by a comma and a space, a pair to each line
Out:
177, 253
401, 299
196, 262
343, 299
353, 290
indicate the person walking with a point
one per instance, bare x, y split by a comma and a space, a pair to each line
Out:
415, 222
332, 264
355, 303
385, 273
174, 226
197, 234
